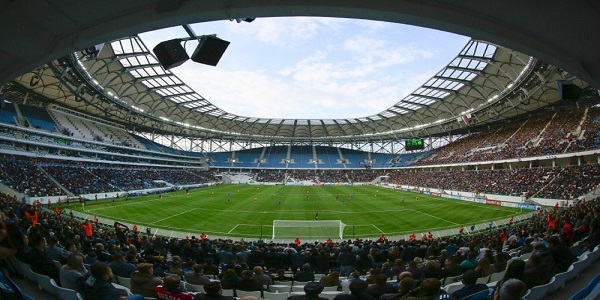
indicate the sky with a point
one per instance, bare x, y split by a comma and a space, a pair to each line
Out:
313, 68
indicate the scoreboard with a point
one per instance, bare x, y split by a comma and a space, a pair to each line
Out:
414, 144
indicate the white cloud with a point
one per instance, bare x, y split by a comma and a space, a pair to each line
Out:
313, 68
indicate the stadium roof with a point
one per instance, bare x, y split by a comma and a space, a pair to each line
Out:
485, 83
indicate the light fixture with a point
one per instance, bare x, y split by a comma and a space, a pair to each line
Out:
171, 53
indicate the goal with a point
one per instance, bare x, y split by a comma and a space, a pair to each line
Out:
310, 229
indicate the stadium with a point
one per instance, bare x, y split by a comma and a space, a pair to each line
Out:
96, 127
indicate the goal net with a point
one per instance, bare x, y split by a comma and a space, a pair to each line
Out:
310, 229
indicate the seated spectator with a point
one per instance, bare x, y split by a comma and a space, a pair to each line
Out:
311, 292
230, 279
514, 271
213, 292
499, 263
540, 267
195, 276
305, 274
405, 286
511, 289
143, 281
249, 284
483, 268
451, 268
175, 266
38, 260
469, 279
380, 287
471, 262
260, 277
357, 292
171, 289
99, 285
333, 279
53, 250
120, 267
428, 289
71, 273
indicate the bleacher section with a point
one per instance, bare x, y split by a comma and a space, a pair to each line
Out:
8, 114
38, 118
304, 157
275, 157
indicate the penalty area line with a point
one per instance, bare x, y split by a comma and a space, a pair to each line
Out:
232, 229
381, 231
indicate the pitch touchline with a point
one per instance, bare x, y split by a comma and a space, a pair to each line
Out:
175, 215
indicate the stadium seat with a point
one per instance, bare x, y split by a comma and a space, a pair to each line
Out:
275, 296
484, 279
67, 294
240, 293
538, 292
560, 280
483, 295
330, 289
194, 287
497, 276
124, 281
45, 283
228, 292
453, 287
330, 294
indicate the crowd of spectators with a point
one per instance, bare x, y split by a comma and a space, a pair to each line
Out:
37, 177
565, 131
542, 182
150, 259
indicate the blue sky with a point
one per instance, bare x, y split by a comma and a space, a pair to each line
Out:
313, 68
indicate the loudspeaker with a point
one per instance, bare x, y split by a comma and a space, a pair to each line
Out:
210, 50
170, 54
567, 90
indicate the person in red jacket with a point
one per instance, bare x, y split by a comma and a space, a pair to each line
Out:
88, 229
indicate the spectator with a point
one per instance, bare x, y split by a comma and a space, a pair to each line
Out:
311, 292
357, 292
171, 289
143, 281
196, 275
469, 279
213, 292
120, 267
71, 273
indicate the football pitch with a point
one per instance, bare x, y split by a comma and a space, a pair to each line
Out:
248, 211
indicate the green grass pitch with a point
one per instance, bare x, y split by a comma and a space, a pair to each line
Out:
245, 210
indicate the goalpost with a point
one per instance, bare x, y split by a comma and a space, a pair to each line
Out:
309, 229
